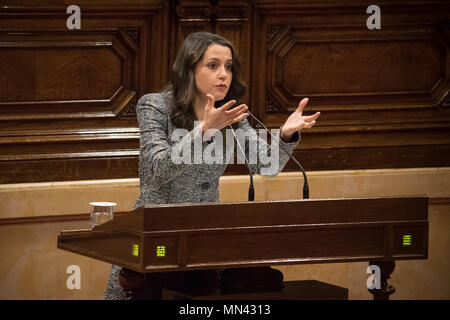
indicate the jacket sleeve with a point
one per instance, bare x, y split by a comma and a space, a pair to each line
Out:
267, 160
159, 154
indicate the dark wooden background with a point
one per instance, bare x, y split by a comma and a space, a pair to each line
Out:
67, 97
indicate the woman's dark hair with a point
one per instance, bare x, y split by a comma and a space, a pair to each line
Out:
182, 77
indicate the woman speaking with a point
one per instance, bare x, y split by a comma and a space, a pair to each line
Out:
202, 99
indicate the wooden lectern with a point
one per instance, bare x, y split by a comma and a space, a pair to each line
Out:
251, 236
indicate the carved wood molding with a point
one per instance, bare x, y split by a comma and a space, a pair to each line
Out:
105, 166
270, 105
130, 109
194, 11
272, 30
91, 73
212, 11
446, 101
67, 99
229, 10
293, 67
134, 33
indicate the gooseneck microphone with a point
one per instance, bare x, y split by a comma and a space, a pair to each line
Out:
305, 184
251, 189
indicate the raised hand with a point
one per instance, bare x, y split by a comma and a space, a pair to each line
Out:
221, 117
297, 121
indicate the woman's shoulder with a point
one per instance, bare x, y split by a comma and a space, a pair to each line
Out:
160, 101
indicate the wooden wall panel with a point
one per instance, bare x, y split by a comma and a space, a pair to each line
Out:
67, 97
67, 76
383, 94
358, 70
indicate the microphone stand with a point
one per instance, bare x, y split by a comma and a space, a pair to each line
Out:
305, 185
251, 189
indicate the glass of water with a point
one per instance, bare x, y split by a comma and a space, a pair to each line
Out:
102, 212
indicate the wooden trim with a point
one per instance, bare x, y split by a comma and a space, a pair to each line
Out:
434, 201
85, 216
52, 218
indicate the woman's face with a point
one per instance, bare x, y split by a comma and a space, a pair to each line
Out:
213, 73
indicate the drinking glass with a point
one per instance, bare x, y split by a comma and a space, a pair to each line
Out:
102, 212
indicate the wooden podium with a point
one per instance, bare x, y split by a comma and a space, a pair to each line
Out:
246, 238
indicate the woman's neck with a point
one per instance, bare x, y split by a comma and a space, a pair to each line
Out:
199, 107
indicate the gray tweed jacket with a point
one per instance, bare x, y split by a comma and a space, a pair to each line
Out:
163, 181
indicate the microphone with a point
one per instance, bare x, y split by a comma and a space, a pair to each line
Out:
305, 185
251, 189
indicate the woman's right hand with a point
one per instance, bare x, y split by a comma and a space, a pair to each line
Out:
221, 117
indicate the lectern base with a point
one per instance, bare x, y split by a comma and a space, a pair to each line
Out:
291, 290
256, 283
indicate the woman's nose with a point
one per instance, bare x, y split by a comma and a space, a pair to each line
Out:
222, 73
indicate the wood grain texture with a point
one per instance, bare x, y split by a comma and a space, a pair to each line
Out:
230, 235
401, 67
68, 97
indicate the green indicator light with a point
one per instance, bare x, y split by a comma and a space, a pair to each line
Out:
135, 250
407, 239
160, 251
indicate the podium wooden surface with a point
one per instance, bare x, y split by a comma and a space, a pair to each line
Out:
168, 238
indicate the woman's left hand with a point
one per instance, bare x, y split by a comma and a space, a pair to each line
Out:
297, 121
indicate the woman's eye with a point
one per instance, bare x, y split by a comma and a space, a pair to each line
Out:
212, 65
229, 67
